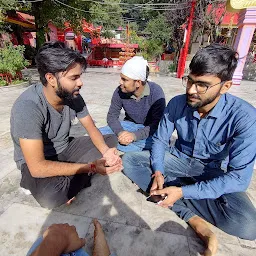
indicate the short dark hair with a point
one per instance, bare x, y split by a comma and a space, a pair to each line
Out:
55, 57
147, 74
215, 59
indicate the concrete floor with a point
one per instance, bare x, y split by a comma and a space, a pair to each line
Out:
132, 225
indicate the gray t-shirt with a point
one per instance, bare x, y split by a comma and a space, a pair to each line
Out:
32, 117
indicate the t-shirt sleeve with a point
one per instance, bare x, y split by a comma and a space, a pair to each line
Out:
80, 107
27, 120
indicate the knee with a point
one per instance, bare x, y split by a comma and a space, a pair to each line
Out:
248, 226
128, 163
135, 163
128, 158
52, 201
131, 159
243, 227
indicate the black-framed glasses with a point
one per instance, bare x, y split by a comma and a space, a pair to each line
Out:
201, 87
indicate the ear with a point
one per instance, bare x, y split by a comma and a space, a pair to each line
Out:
225, 87
138, 83
51, 79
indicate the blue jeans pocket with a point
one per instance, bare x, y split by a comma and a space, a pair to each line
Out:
222, 204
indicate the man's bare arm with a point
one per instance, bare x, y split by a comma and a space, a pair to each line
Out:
110, 154
39, 167
94, 134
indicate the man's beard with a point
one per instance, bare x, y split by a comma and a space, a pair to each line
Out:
64, 94
201, 103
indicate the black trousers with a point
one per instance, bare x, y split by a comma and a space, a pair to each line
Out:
52, 192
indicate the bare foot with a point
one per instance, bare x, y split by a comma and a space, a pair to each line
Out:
100, 247
69, 202
203, 231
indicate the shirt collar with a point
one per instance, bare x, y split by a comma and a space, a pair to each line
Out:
146, 92
217, 109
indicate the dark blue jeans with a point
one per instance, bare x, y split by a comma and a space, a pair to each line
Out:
233, 213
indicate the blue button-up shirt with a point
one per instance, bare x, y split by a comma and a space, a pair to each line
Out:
228, 131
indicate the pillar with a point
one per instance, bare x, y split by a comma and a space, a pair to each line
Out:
246, 28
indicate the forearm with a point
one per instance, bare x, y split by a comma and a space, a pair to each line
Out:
50, 246
98, 141
235, 181
114, 124
47, 168
157, 113
158, 154
114, 113
142, 133
161, 139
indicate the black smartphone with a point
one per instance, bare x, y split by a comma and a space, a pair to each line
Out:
155, 198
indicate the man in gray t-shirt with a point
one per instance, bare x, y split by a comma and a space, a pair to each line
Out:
54, 166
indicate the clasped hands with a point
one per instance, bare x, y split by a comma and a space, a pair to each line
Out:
111, 162
172, 193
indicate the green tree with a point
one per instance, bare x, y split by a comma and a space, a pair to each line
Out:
158, 28
58, 11
108, 15
152, 26
5, 5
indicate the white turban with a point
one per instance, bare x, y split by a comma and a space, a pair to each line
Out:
135, 68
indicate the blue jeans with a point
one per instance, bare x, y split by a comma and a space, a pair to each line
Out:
79, 252
136, 145
233, 213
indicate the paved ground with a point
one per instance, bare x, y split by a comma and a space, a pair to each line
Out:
132, 225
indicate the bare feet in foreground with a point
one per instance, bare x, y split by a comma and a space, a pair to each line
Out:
202, 229
69, 202
100, 247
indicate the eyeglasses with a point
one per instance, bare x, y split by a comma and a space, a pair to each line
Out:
201, 88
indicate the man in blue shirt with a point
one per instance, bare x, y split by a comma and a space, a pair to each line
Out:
213, 128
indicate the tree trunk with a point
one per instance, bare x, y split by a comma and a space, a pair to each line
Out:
40, 32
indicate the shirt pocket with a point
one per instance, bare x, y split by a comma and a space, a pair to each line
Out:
217, 148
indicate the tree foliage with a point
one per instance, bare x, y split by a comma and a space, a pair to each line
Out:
205, 21
5, 5
152, 25
56, 11
158, 28
12, 59
107, 15
157, 20
208, 19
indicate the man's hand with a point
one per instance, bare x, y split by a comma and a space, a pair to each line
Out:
125, 138
65, 236
102, 168
112, 158
158, 181
172, 195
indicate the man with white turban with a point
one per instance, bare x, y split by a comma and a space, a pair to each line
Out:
143, 103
